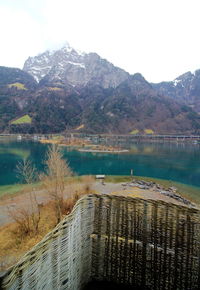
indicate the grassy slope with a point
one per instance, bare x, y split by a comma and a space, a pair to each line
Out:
17, 85
12, 189
26, 119
17, 188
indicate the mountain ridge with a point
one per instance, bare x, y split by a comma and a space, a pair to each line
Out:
185, 88
82, 90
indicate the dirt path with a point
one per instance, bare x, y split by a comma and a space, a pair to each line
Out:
22, 201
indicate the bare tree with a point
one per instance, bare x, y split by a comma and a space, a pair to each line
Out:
26, 171
27, 218
57, 169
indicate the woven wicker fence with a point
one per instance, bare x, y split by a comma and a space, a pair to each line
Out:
151, 244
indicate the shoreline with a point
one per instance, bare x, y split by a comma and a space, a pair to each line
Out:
159, 139
103, 151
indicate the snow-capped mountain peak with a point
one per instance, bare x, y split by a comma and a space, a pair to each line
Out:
68, 65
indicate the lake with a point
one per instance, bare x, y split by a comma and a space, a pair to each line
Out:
178, 162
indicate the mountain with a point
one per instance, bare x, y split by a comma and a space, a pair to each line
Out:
15, 75
185, 89
16, 88
68, 65
135, 106
66, 90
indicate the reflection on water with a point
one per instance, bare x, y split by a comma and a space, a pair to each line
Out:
13, 151
23, 154
172, 161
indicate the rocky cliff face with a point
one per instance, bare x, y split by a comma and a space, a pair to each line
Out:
70, 66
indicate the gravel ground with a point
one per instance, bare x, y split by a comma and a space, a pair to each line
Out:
134, 191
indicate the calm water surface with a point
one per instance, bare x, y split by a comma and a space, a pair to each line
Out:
176, 162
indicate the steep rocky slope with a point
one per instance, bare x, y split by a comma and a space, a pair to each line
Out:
76, 68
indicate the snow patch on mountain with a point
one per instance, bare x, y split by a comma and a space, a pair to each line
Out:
76, 63
176, 82
193, 72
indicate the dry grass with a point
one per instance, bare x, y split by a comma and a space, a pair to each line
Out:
54, 89
14, 243
135, 131
80, 127
49, 141
148, 131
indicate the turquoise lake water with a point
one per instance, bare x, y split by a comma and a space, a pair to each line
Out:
176, 162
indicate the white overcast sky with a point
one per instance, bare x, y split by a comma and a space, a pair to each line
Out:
158, 38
